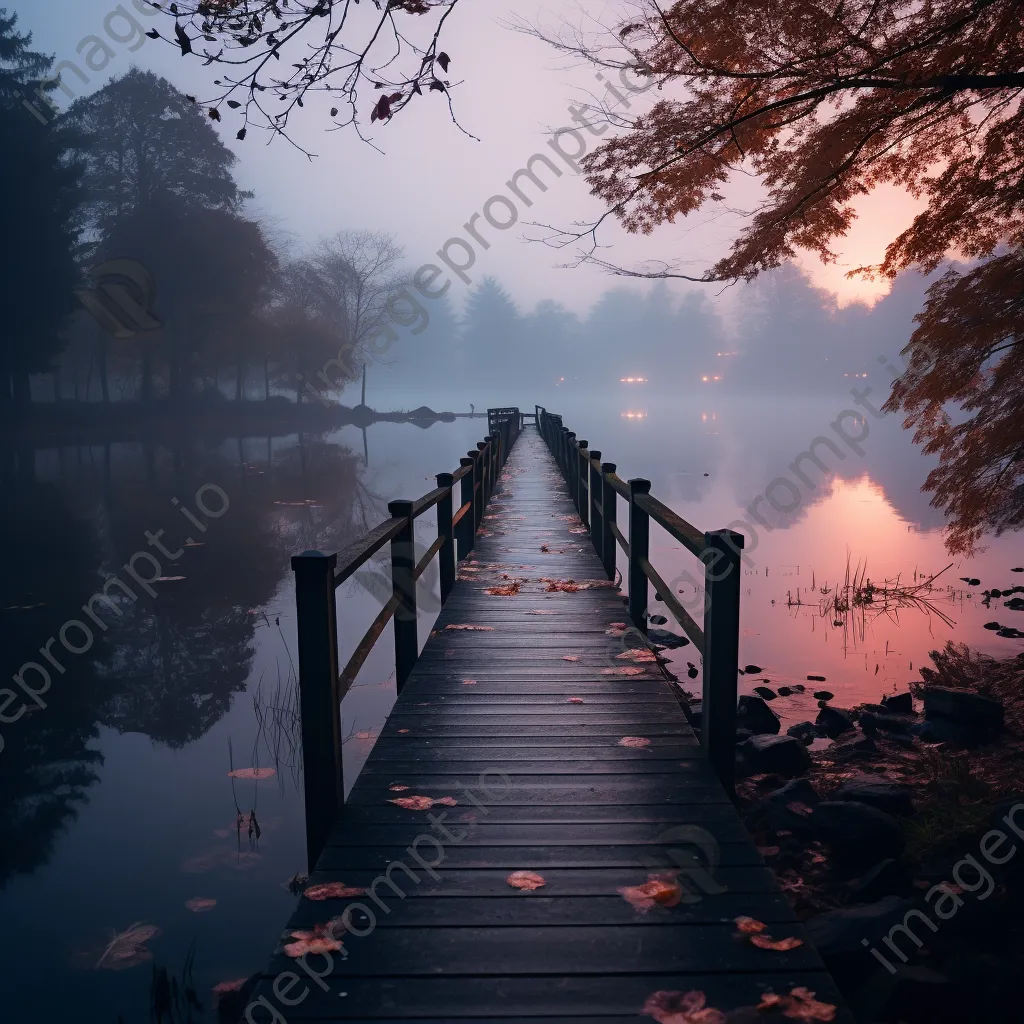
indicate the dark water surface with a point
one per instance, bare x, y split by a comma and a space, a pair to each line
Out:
116, 803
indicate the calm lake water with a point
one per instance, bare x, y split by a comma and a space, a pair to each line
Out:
117, 806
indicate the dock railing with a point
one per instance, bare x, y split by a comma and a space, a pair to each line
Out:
595, 489
322, 684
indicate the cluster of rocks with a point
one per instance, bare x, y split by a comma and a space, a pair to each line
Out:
862, 827
960, 718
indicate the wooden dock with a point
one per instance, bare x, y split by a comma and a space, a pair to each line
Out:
544, 751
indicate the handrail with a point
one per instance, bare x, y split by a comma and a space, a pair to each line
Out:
317, 576
595, 489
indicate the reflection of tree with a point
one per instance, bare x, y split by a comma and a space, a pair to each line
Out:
169, 666
45, 766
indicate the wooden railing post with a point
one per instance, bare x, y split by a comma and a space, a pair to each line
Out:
485, 476
639, 542
581, 482
722, 579
319, 699
594, 512
609, 510
570, 460
478, 491
403, 562
445, 529
467, 534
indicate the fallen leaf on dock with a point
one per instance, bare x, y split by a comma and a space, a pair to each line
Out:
332, 891
397, 788
526, 880
638, 654
252, 773
626, 670
403, 730
656, 891
570, 657
681, 1008
453, 625
509, 590
198, 905
634, 741
800, 1004
575, 700
469, 682
319, 940
779, 945
750, 925
423, 803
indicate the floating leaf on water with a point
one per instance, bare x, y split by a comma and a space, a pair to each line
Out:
252, 773
225, 987
199, 905
332, 891
128, 948
525, 880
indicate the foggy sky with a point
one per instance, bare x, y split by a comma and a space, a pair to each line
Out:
432, 177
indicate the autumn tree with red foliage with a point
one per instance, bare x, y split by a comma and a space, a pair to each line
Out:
823, 102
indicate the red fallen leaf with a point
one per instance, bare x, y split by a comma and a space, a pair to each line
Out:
469, 682
320, 940
453, 625
570, 657
252, 773
618, 625
225, 987
414, 803
634, 741
626, 670
575, 700
750, 925
403, 730
769, 851
197, 905
397, 788
526, 880
800, 1004
681, 1008
447, 801
798, 808
655, 891
638, 654
332, 891
506, 591
779, 945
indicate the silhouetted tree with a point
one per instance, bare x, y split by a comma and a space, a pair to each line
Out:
39, 182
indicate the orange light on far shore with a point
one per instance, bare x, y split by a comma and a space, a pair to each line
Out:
634, 415
632, 380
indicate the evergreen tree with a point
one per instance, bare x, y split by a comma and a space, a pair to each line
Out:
39, 183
